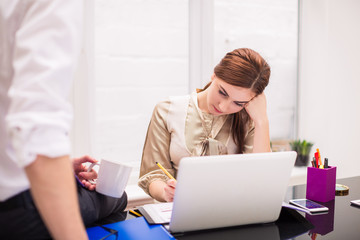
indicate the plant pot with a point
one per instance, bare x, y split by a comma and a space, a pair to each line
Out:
302, 160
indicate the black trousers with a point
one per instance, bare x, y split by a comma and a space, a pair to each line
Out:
19, 218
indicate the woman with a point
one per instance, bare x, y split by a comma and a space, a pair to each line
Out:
228, 116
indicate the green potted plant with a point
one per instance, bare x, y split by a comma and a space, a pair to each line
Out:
303, 150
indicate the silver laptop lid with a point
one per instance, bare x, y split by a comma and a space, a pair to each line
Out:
230, 190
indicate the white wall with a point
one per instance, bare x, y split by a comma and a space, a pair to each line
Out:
329, 99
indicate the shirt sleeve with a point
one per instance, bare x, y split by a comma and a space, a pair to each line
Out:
156, 148
46, 49
249, 138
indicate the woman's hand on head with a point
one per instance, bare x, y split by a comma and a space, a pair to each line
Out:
256, 109
169, 190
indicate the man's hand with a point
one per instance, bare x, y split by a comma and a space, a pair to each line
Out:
81, 171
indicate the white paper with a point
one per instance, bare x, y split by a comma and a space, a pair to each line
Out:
159, 212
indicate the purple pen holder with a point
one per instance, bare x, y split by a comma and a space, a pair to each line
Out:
320, 185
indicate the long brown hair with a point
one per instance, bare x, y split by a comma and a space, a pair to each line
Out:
245, 68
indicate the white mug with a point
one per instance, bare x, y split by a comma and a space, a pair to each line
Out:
112, 177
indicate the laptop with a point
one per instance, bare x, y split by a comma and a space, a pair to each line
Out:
230, 190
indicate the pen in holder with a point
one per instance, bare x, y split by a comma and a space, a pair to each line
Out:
320, 185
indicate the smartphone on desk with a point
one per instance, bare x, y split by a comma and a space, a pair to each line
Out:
355, 203
309, 205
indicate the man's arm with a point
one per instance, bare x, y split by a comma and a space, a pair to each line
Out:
46, 49
54, 192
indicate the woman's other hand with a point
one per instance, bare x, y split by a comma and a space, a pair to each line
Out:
169, 190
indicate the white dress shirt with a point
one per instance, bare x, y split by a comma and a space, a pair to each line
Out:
39, 47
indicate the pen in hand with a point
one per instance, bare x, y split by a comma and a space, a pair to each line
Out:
165, 171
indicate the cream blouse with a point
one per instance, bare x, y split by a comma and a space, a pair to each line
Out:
178, 128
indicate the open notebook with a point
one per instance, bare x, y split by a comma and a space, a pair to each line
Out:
226, 190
